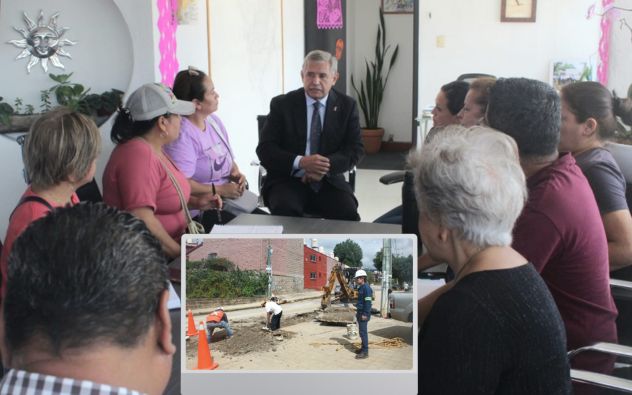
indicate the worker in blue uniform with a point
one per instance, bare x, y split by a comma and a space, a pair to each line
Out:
363, 312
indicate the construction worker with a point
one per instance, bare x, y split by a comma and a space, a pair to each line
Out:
217, 319
363, 312
274, 312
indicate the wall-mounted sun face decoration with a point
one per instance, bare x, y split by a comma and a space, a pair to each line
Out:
42, 42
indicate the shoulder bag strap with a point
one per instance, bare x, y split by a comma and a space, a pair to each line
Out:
191, 225
217, 130
32, 198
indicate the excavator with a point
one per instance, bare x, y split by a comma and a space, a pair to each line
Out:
346, 292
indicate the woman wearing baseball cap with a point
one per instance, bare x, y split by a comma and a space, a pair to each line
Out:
140, 177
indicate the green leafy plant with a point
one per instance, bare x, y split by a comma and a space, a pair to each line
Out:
45, 98
219, 278
5, 112
623, 133
69, 94
372, 88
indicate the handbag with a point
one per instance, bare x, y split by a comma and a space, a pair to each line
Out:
193, 227
248, 201
245, 204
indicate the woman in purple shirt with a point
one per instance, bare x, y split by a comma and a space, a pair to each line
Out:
202, 151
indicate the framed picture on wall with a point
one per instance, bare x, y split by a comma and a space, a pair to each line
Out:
565, 71
398, 6
517, 10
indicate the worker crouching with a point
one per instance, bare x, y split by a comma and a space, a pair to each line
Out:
217, 319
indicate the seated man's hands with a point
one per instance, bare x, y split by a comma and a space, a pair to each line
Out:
314, 166
311, 177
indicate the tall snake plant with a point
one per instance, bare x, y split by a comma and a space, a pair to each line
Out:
372, 87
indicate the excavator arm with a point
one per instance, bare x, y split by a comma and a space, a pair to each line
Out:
347, 292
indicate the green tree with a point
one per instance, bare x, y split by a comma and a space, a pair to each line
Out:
377, 261
349, 253
402, 266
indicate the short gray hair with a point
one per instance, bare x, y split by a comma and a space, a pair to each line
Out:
318, 55
470, 181
61, 143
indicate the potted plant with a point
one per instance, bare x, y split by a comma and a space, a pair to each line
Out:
75, 96
372, 88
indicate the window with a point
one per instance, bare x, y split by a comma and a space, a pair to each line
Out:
312, 258
212, 255
312, 276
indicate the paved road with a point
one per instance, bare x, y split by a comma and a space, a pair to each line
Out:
289, 309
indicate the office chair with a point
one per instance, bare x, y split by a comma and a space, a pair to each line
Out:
600, 379
350, 175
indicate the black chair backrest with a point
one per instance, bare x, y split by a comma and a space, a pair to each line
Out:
261, 121
410, 211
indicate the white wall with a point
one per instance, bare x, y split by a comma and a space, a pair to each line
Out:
192, 49
362, 22
114, 50
250, 64
476, 41
620, 72
191, 40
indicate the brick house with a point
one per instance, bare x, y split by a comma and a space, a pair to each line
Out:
251, 254
317, 267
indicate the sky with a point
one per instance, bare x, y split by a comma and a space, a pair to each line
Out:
370, 246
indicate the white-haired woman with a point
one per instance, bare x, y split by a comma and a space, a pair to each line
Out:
495, 328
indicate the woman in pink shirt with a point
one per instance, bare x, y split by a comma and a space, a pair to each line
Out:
138, 176
60, 153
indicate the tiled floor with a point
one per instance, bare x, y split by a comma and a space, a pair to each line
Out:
373, 197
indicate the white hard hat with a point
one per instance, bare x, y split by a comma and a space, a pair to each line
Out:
219, 308
360, 273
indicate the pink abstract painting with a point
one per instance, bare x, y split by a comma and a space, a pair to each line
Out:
329, 14
167, 25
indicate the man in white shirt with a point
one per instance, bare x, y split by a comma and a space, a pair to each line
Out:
274, 312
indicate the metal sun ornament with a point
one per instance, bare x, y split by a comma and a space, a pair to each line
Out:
42, 42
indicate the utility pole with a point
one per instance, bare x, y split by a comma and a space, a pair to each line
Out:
386, 276
269, 270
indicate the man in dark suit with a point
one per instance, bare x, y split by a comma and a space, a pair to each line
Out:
311, 137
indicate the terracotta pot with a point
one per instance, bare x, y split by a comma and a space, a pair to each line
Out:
372, 140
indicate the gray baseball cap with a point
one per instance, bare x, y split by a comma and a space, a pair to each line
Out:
155, 99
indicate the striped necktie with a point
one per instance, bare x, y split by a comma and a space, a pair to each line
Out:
314, 140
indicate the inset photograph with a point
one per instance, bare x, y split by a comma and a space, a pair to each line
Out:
301, 303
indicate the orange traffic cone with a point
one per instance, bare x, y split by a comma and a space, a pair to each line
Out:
191, 325
205, 360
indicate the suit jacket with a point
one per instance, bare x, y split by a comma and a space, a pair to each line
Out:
284, 136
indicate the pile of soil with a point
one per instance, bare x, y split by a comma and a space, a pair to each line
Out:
250, 338
336, 315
